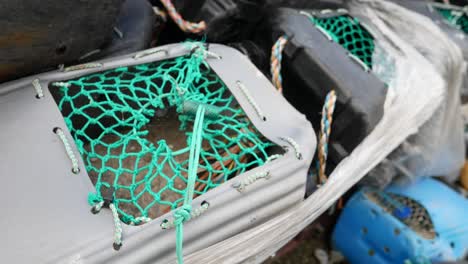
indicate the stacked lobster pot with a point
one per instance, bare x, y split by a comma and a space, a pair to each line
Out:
166, 145
438, 147
188, 152
315, 51
414, 92
410, 216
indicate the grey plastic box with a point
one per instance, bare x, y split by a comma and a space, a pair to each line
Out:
45, 214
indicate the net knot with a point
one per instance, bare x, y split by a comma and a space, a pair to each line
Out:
94, 199
183, 214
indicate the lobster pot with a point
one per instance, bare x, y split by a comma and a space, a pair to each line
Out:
331, 50
404, 224
415, 91
142, 135
438, 147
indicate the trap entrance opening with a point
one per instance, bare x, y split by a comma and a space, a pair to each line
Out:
133, 126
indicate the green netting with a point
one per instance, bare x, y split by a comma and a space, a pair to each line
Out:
350, 34
132, 126
458, 18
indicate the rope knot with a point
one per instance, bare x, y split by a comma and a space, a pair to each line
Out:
183, 214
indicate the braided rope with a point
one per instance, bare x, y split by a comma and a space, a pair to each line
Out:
139, 220
183, 24
251, 100
118, 227
68, 149
275, 60
61, 84
183, 214
327, 111
82, 67
240, 186
325, 130
150, 52
37, 86
295, 146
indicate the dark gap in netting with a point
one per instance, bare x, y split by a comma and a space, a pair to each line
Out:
348, 38
133, 126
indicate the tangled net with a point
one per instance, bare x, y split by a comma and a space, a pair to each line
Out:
419, 220
350, 34
458, 18
122, 119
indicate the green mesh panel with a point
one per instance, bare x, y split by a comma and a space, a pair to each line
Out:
123, 119
419, 220
455, 17
350, 34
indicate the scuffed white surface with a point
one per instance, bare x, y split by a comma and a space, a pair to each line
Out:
440, 141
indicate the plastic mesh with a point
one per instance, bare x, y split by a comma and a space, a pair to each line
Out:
350, 34
455, 17
123, 120
419, 220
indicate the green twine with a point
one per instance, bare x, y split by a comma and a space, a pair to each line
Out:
457, 18
183, 213
94, 199
109, 115
350, 34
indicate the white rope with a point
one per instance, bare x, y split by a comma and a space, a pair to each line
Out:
118, 227
241, 185
295, 146
37, 86
82, 67
68, 149
251, 100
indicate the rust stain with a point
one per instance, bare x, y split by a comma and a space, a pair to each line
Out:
22, 38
